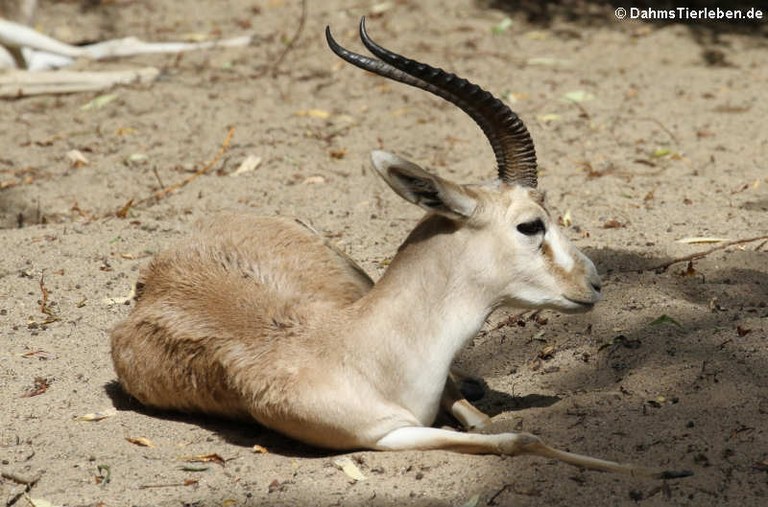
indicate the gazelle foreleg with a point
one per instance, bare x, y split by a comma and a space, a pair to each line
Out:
510, 444
454, 403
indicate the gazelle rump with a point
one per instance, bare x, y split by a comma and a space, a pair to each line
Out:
261, 318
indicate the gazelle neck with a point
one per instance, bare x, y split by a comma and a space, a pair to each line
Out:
422, 312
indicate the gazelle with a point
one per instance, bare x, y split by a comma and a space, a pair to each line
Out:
261, 319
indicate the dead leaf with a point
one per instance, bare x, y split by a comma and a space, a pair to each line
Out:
40, 386
514, 98
662, 400
38, 354
761, 466
76, 159
99, 102
578, 96
250, 163
546, 61
125, 131
314, 180
275, 485
547, 352
380, 8
121, 300
689, 270
258, 449
204, 458
346, 465
537, 35
104, 474
742, 331
338, 153
502, 26
613, 224
728, 108
665, 319
548, 118
98, 416
37, 502
714, 305
124, 209
314, 113
136, 158
140, 441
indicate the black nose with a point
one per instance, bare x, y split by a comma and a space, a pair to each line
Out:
596, 286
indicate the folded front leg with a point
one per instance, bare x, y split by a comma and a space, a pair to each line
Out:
454, 403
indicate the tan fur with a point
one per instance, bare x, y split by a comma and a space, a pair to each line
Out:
261, 318
252, 315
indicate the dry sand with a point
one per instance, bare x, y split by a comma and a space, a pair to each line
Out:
670, 370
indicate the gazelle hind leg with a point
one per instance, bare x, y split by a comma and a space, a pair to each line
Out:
470, 386
511, 444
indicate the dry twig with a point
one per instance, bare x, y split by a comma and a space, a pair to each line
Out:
164, 192
272, 69
44, 307
698, 255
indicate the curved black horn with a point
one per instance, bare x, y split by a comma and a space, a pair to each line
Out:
506, 132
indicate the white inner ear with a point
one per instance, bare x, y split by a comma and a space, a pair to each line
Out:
383, 160
449, 199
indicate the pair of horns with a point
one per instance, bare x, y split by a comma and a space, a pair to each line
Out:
509, 138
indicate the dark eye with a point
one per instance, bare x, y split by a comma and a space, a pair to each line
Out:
532, 228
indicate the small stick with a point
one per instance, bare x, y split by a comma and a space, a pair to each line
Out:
288, 47
170, 485
44, 298
157, 176
492, 500
698, 255
164, 192
44, 308
664, 128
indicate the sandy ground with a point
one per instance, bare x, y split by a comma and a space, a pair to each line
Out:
666, 140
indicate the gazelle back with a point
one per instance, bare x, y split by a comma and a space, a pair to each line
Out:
260, 318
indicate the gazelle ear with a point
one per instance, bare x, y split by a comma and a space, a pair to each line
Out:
416, 185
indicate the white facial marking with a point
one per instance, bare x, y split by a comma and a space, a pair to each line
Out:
561, 255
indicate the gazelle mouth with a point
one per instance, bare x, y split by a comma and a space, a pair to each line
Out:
586, 305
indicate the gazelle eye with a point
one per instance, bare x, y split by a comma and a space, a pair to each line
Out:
532, 228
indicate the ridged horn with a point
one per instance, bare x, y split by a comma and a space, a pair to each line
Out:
511, 142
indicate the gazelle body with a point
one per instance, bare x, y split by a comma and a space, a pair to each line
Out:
260, 318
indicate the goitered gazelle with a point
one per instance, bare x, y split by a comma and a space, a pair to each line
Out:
261, 319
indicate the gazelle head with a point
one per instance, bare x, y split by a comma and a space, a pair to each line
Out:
518, 250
